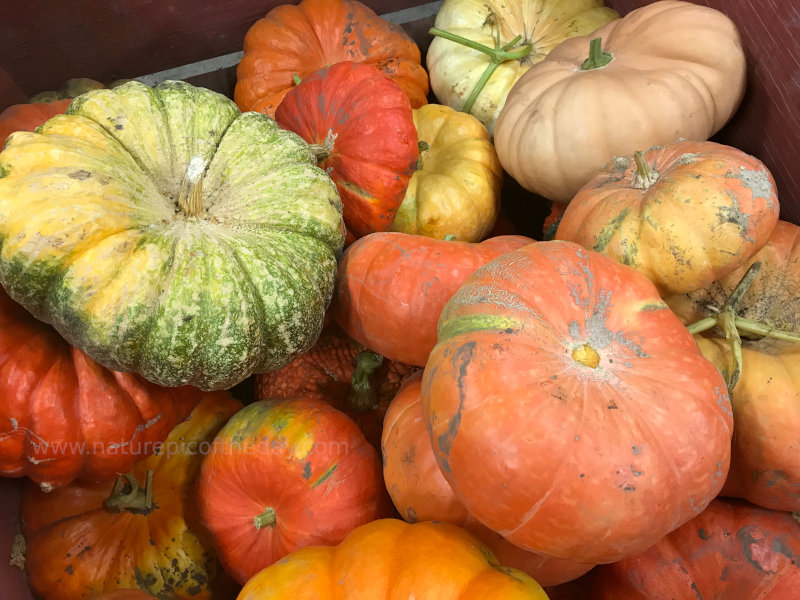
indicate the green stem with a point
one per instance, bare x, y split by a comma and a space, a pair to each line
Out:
422, 146
597, 57
129, 495
645, 175
363, 394
296, 79
497, 56
265, 519
450, 238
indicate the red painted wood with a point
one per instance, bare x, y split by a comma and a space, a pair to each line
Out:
10, 93
42, 44
767, 125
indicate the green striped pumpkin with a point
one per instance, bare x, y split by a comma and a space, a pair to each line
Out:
164, 232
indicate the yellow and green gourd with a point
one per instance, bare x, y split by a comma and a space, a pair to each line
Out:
164, 232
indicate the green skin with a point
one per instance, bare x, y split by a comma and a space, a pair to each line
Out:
239, 273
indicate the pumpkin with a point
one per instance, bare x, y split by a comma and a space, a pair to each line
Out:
27, 117
455, 189
297, 40
342, 373
685, 214
126, 595
601, 426
667, 70
361, 129
282, 475
389, 558
765, 453
391, 287
421, 493
772, 299
481, 48
730, 551
63, 416
162, 232
13, 579
139, 531
72, 88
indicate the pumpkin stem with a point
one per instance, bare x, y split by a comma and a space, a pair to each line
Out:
645, 175
18, 551
190, 198
422, 147
598, 58
265, 519
128, 495
323, 150
296, 78
586, 355
363, 394
497, 56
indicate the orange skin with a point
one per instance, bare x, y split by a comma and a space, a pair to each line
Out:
325, 372
390, 559
126, 595
27, 117
711, 209
421, 493
569, 409
303, 459
53, 398
298, 40
391, 287
364, 122
78, 548
731, 551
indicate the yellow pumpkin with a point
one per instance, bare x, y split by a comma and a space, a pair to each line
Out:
513, 34
668, 70
456, 188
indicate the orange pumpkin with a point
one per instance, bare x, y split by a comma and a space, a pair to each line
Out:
340, 372
27, 117
388, 559
569, 409
391, 287
421, 493
685, 214
140, 531
297, 40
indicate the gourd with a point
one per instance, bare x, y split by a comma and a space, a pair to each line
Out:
163, 232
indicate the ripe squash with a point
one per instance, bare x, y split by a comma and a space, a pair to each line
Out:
341, 372
391, 287
731, 551
473, 38
63, 416
685, 214
297, 40
389, 558
667, 70
27, 117
163, 232
140, 531
361, 130
421, 493
283, 475
455, 189
569, 409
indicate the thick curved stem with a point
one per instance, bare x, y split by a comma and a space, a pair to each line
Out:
597, 57
190, 197
129, 495
645, 175
324, 150
265, 519
363, 394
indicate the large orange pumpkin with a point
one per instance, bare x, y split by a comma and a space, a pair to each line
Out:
63, 416
296, 40
283, 475
421, 493
140, 531
731, 551
391, 287
27, 117
685, 214
568, 407
390, 559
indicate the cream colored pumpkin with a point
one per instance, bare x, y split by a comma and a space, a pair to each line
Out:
456, 188
455, 69
676, 70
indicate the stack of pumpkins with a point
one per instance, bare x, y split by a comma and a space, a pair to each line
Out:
436, 396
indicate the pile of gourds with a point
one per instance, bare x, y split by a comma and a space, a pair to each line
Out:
433, 395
